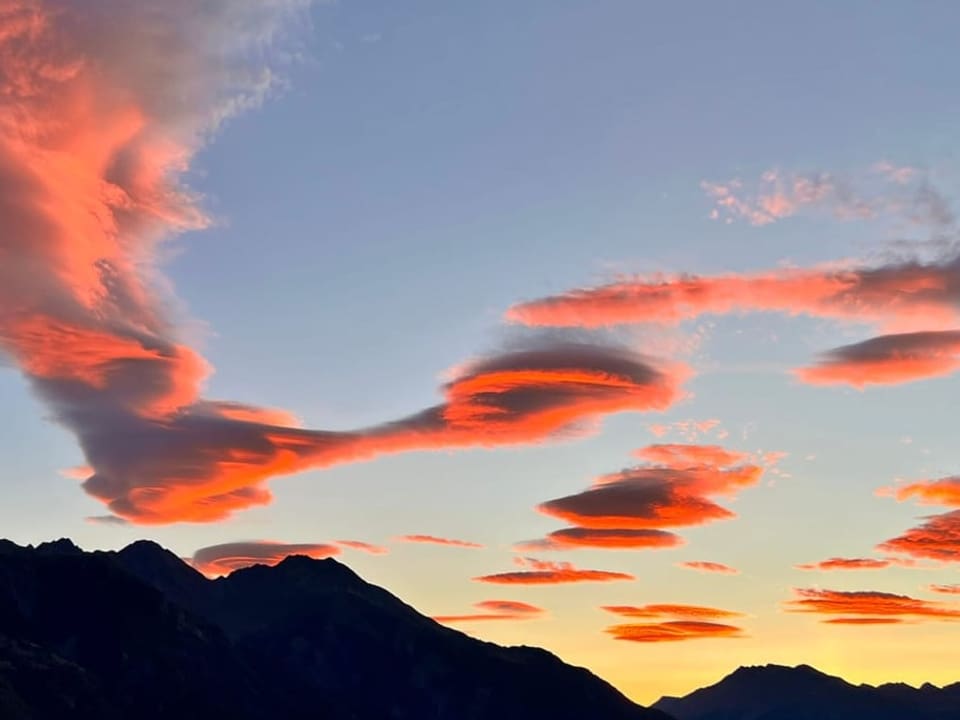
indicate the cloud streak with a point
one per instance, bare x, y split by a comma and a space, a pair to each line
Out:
496, 610
433, 540
839, 563
709, 567
541, 572
898, 297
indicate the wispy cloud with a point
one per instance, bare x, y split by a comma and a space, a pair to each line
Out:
708, 567
541, 572
434, 540
365, 547
496, 610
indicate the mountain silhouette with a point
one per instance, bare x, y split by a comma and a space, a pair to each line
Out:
777, 692
140, 634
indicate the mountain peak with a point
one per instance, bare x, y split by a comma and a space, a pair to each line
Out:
63, 546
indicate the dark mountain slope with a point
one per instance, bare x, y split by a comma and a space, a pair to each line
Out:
140, 634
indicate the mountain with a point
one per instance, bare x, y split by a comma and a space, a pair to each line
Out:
776, 692
138, 633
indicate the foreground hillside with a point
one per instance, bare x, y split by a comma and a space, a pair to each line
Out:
139, 634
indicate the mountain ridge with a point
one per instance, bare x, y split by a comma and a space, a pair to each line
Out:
138, 633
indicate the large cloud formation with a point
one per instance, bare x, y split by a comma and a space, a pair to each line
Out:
102, 106
631, 508
217, 560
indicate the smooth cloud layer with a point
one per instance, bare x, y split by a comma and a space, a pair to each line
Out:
541, 572
674, 493
102, 107
899, 297
433, 540
675, 623
838, 563
888, 360
709, 567
673, 631
218, 560
869, 606
496, 610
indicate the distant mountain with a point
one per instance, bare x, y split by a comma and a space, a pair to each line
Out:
776, 692
139, 634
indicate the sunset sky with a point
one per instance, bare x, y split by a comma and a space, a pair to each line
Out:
628, 331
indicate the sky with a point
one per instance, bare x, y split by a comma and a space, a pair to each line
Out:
626, 331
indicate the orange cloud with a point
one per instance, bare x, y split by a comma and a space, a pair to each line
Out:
943, 491
611, 538
864, 621
656, 496
218, 560
711, 567
864, 606
936, 539
888, 360
899, 297
945, 589
673, 631
366, 547
433, 540
102, 108
540, 572
496, 610
838, 563
670, 610
682, 455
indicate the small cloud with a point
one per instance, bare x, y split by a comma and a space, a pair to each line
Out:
888, 360
105, 520
217, 560
709, 567
839, 563
496, 610
671, 610
366, 547
540, 572
433, 540
945, 589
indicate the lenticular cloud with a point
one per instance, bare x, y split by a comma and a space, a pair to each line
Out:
102, 106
